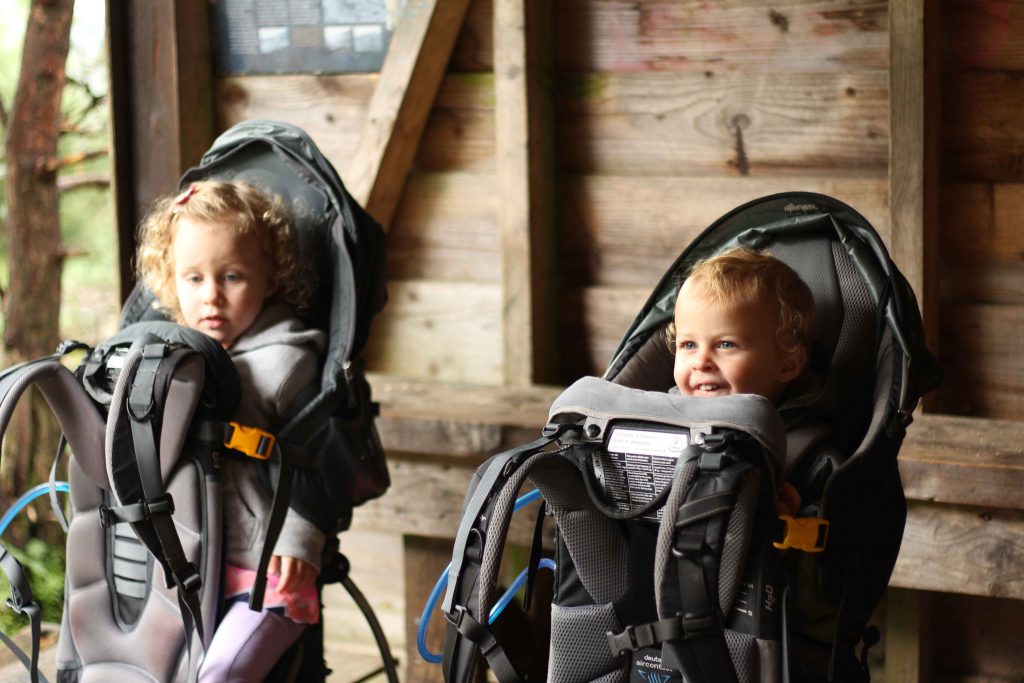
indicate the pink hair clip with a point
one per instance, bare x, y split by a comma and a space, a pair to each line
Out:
184, 196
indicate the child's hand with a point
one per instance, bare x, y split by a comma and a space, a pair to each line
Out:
295, 573
787, 500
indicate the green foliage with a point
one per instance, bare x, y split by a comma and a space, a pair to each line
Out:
44, 565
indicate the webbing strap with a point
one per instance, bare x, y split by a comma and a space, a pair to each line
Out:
482, 637
497, 466
142, 404
278, 511
699, 648
23, 603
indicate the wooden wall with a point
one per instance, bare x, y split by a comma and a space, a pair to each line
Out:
657, 116
982, 240
664, 115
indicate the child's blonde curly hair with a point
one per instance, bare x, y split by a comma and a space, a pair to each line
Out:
248, 209
742, 276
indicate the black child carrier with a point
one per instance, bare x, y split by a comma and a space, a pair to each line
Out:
147, 416
671, 561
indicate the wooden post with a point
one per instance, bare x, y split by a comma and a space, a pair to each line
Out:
906, 636
409, 79
914, 92
161, 93
524, 178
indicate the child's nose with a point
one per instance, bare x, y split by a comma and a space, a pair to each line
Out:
701, 360
211, 291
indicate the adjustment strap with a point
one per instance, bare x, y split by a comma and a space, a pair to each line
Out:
480, 635
278, 511
137, 512
58, 511
141, 411
535, 551
645, 635
23, 603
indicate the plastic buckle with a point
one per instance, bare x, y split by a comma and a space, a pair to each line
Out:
252, 441
455, 616
161, 505
106, 518
191, 582
809, 534
698, 625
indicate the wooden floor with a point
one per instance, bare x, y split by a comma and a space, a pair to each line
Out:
349, 646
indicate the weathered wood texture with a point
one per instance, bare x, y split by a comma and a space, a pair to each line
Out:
161, 104
981, 251
666, 115
415, 63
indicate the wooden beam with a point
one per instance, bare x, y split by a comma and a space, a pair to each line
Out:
409, 80
161, 95
906, 636
524, 176
915, 128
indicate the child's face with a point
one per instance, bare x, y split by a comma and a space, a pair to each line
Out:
222, 278
731, 349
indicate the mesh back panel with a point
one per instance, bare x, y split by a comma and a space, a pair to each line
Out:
594, 541
743, 651
579, 648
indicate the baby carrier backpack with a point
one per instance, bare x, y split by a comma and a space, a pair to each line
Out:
671, 562
147, 416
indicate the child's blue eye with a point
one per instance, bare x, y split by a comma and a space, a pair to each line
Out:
688, 345
726, 345
233, 277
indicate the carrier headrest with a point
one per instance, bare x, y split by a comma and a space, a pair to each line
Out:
595, 398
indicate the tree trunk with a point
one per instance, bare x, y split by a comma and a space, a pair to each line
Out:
35, 253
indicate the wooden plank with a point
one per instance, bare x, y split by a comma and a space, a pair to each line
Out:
724, 124
915, 233
523, 178
594, 321
425, 499
445, 229
691, 35
609, 241
331, 108
982, 133
964, 461
423, 560
962, 550
976, 639
444, 331
992, 383
474, 50
406, 399
460, 133
412, 71
907, 636
983, 35
161, 102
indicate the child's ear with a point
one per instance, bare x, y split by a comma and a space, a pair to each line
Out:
271, 286
792, 365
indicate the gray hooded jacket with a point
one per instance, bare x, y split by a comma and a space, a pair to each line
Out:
276, 358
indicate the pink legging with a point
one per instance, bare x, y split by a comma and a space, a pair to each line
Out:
247, 645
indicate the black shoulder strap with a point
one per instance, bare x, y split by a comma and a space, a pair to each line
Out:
472, 572
145, 503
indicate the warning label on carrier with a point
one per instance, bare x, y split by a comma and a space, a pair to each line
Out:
637, 465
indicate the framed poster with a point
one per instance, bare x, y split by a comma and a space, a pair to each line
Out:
301, 36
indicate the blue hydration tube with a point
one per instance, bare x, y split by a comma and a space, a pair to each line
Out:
496, 610
26, 498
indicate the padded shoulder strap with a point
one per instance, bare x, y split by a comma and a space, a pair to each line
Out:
477, 556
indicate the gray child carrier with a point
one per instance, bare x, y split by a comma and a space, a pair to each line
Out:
671, 563
147, 416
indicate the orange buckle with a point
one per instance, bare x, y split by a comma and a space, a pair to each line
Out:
252, 441
808, 534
